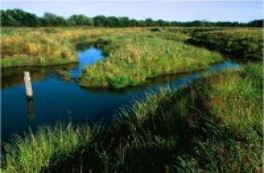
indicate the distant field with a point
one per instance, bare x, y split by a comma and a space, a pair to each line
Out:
245, 43
133, 54
45, 46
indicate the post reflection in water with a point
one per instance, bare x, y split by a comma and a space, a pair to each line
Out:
30, 109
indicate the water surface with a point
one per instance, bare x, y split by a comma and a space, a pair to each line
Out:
56, 100
88, 56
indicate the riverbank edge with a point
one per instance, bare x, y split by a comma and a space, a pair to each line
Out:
63, 140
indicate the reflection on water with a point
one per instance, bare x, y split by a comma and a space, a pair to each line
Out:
30, 109
14, 76
56, 100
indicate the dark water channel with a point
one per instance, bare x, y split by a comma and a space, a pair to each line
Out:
57, 100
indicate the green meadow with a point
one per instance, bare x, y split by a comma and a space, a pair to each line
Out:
133, 55
134, 58
212, 125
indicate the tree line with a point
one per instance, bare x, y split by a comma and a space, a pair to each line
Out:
18, 17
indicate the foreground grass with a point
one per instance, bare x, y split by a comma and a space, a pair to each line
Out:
214, 125
246, 43
134, 58
50, 145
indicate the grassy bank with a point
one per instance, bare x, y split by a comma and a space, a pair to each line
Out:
35, 47
57, 45
46, 46
133, 58
213, 125
246, 43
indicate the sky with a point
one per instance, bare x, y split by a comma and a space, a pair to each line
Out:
171, 10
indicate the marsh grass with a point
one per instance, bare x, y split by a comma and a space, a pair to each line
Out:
47, 46
40, 151
245, 43
134, 58
33, 47
56, 45
213, 125
195, 129
133, 54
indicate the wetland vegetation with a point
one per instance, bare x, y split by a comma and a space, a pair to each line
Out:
192, 129
213, 124
133, 58
242, 42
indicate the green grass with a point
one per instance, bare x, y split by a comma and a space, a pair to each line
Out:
56, 45
50, 145
46, 46
213, 125
246, 43
21, 47
133, 54
241, 91
134, 58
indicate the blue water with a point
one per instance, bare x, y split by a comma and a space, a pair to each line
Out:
89, 56
56, 100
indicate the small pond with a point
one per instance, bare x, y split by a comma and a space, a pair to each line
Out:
57, 100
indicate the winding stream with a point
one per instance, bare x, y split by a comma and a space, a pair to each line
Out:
57, 100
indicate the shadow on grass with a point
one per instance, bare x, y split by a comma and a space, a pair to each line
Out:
231, 54
179, 135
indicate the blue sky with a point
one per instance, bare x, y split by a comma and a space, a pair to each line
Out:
242, 11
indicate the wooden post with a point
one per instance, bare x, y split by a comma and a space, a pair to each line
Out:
29, 91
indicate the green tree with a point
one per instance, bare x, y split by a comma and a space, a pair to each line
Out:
80, 20
50, 19
124, 21
113, 21
149, 22
100, 20
256, 23
18, 17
